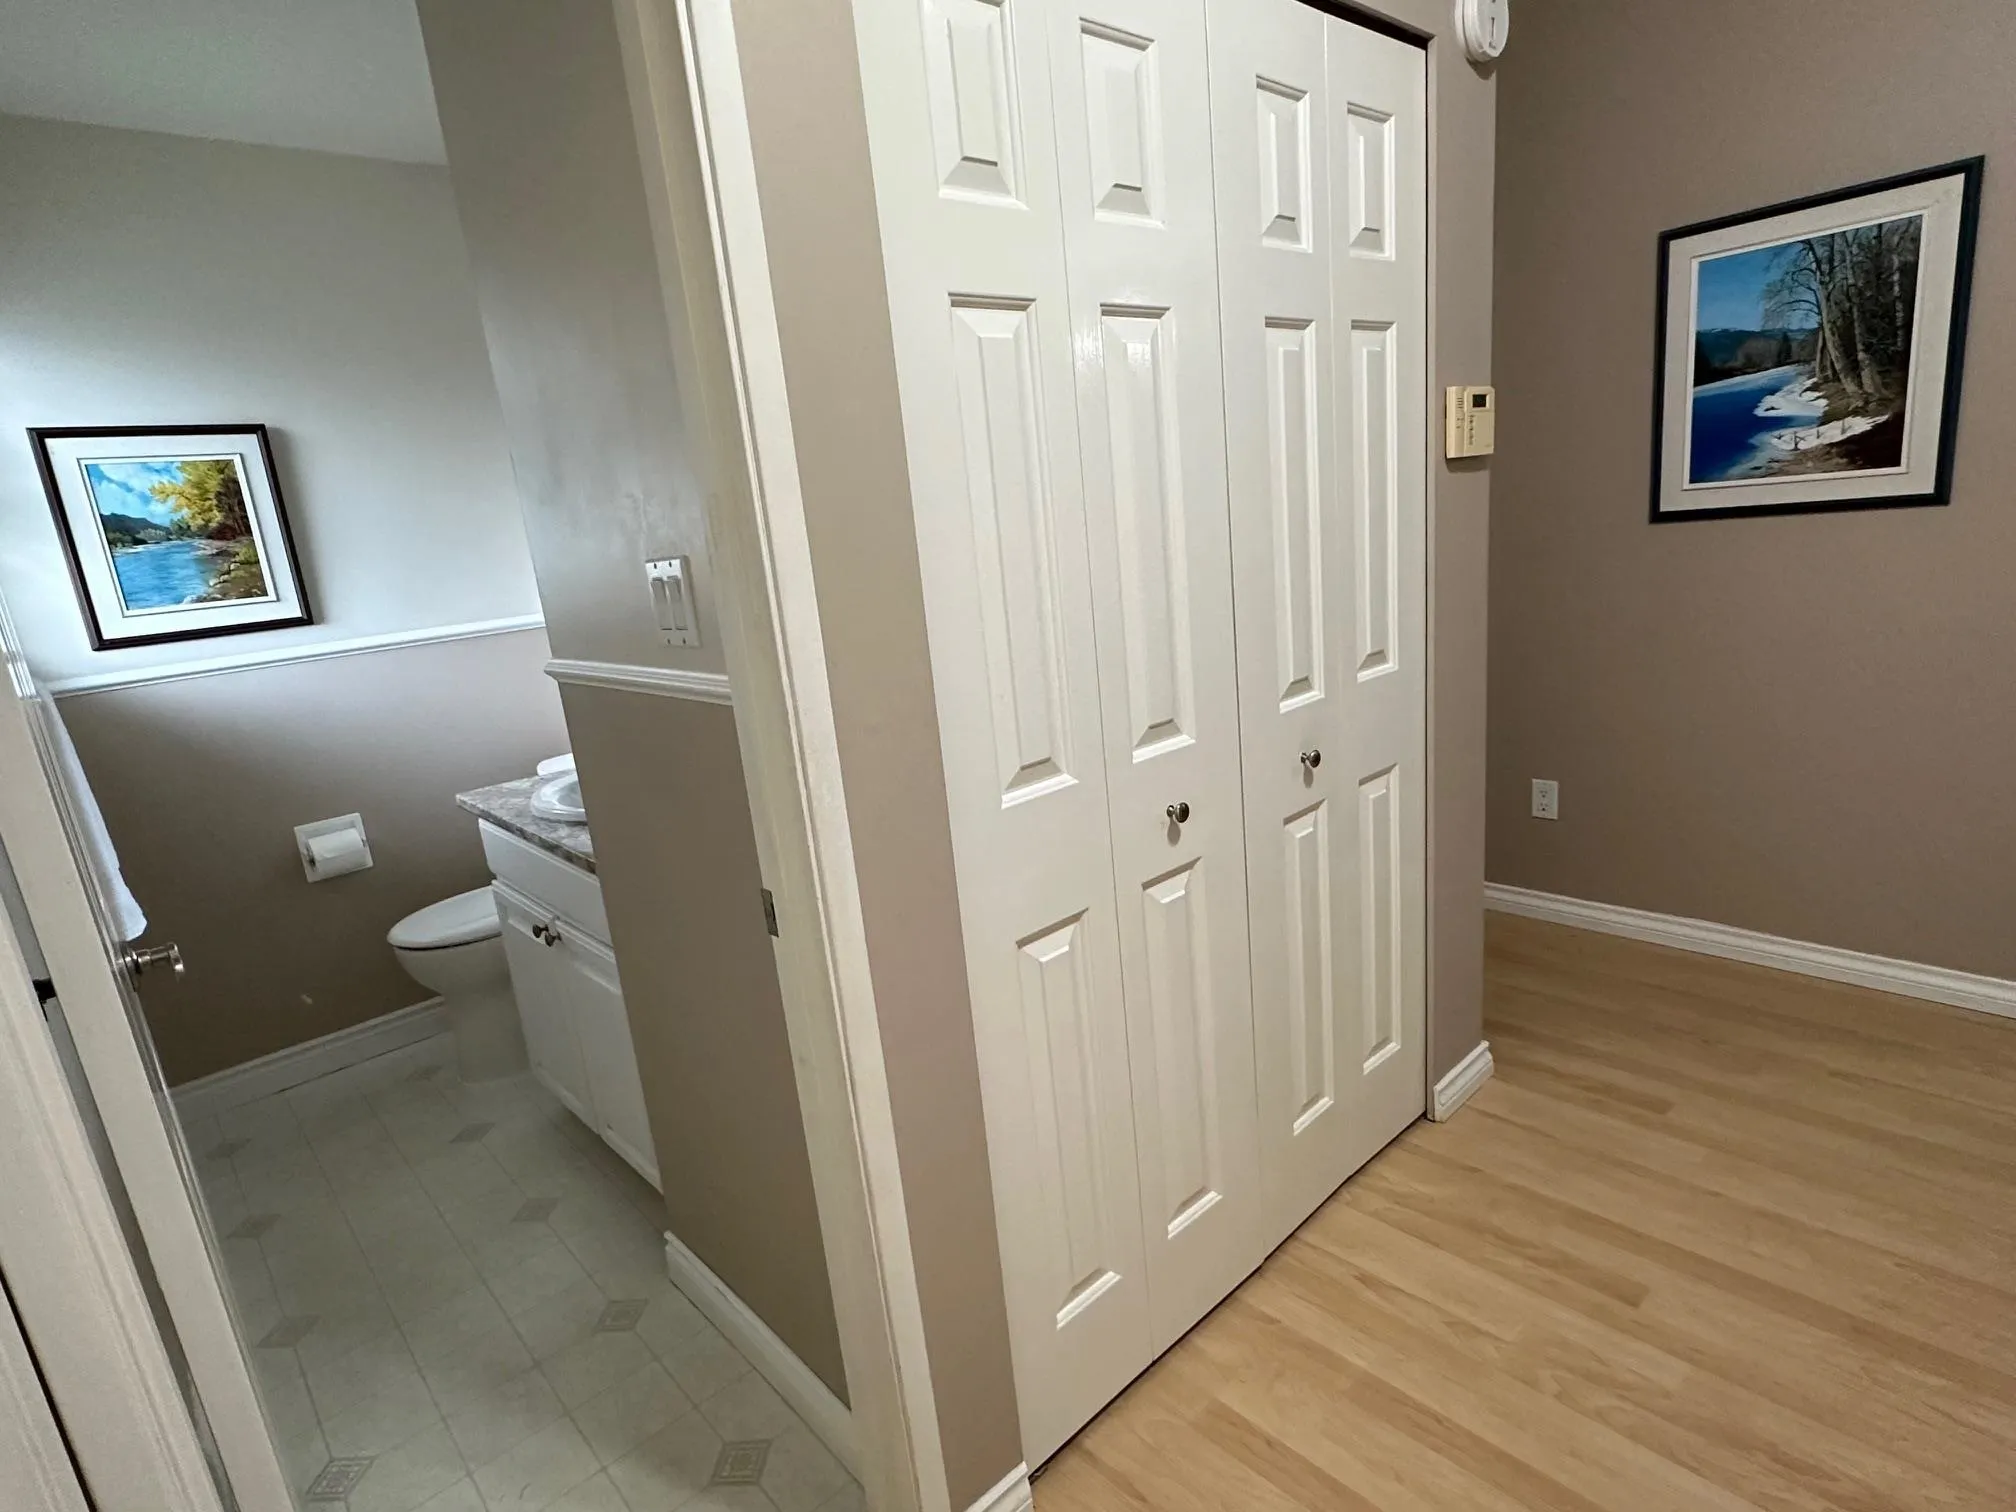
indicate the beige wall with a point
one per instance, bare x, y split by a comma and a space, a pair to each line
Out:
1798, 725
701, 985
543, 156
203, 780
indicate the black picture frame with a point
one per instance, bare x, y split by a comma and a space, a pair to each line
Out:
1970, 172
299, 610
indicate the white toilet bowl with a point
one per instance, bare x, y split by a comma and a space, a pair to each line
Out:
456, 948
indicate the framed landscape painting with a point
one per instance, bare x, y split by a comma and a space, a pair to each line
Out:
1809, 354
172, 532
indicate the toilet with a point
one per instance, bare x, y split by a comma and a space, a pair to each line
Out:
456, 948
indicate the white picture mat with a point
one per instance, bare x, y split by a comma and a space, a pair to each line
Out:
67, 456
1940, 202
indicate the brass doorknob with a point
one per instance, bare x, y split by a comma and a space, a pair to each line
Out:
1179, 813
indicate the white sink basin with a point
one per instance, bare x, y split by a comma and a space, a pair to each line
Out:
560, 799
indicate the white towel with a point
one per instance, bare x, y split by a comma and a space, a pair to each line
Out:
128, 922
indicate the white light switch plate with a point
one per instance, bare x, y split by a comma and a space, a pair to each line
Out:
671, 580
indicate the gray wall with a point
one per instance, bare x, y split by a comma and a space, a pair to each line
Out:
203, 780
1798, 725
155, 280
544, 161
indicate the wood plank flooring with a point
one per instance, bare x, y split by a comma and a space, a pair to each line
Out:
1714, 1238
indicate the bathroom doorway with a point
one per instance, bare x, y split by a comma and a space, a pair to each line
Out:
395, 1276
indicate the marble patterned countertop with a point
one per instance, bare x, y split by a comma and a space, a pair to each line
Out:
508, 805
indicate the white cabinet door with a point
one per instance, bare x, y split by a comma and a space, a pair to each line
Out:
540, 981
607, 1051
1140, 237
1318, 133
961, 128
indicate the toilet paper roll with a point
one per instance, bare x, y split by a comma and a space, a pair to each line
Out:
340, 851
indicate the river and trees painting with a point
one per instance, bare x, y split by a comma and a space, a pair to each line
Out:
1809, 352
178, 529
172, 534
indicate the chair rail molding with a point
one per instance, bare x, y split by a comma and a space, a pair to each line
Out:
294, 651
663, 682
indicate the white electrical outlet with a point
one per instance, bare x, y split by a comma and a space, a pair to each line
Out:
1546, 798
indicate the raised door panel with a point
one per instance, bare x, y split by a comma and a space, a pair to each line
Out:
1139, 218
541, 989
608, 1053
962, 136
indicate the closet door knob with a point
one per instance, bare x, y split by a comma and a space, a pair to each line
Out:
1312, 759
539, 933
1179, 813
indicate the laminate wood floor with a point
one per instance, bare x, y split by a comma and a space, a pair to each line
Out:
1714, 1238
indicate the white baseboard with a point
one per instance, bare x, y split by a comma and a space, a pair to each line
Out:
1934, 984
1464, 1078
221, 1091
811, 1398
1013, 1494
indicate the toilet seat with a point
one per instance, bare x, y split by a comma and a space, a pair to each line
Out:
461, 920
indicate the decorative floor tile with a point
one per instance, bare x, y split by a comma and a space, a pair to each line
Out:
337, 1479
536, 1210
288, 1332
255, 1227
741, 1463
620, 1317
471, 1133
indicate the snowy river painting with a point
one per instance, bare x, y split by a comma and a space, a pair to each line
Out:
1802, 355
1808, 354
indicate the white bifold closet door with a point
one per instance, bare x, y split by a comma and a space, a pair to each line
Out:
1078, 427
1319, 138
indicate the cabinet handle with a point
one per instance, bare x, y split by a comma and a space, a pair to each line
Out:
552, 935
1312, 759
1179, 813
539, 933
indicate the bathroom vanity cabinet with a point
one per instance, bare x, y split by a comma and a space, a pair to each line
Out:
570, 1001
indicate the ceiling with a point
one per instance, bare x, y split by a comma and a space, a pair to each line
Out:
332, 75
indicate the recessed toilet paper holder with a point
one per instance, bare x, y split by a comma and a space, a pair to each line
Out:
332, 847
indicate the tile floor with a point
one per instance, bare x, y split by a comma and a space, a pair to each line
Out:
454, 1297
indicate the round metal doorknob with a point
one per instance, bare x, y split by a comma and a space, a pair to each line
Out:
1179, 813
137, 961
1312, 759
